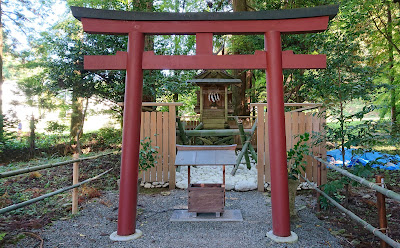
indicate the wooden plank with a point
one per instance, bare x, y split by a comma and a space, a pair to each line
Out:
289, 104
267, 168
148, 104
309, 159
260, 148
165, 146
159, 144
315, 126
141, 175
288, 130
324, 170
308, 129
172, 144
147, 131
153, 126
211, 148
302, 129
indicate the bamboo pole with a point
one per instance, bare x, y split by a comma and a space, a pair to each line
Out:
51, 165
217, 132
200, 126
26, 203
387, 192
182, 134
243, 140
365, 224
244, 148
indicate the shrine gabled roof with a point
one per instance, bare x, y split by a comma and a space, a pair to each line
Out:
325, 10
214, 77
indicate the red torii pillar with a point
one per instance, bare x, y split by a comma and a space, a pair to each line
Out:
135, 60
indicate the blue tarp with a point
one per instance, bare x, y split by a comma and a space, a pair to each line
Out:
376, 159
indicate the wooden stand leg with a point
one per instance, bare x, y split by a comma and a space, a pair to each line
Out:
218, 214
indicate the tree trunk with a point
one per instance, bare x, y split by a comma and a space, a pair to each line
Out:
391, 71
32, 137
76, 116
1, 77
148, 46
239, 100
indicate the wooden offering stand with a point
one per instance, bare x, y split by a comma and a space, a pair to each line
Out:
206, 198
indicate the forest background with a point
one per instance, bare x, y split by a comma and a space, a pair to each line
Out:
45, 60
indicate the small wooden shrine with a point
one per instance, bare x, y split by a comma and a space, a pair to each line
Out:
206, 197
214, 100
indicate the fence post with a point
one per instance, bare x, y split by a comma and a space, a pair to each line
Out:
75, 180
380, 198
319, 165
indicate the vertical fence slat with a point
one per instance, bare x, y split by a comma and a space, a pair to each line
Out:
315, 127
311, 167
288, 130
266, 152
165, 134
153, 131
172, 148
147, 132
322, 120
302, 129
141, 175
260, 148
160, 146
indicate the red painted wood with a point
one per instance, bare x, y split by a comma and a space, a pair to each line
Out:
300, 25
106, 62
204, 43
182, 62
276, 136
131, 136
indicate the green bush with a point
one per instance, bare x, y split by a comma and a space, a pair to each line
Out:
147, 155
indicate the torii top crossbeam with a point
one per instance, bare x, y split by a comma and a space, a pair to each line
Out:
204, 25
306, 20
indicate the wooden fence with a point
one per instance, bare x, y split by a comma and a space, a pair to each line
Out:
296, 122
160, 127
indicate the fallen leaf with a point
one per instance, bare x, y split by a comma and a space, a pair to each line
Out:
82, 235
165, 193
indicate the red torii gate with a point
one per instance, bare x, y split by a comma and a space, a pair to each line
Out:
137, 24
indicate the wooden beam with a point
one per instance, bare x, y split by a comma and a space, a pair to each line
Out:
299, 25
204, 61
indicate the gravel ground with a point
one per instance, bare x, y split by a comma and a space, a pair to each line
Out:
98, 219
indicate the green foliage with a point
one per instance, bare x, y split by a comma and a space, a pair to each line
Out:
2, 235
147, 155
295, 156
56, 127
107, 137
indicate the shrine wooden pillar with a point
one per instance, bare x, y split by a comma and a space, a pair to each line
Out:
131, 135
276, 134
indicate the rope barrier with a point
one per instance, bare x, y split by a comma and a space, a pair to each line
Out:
372, 185
51, 165
26, 203
365, 224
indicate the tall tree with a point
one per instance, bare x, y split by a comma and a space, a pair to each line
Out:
16, 14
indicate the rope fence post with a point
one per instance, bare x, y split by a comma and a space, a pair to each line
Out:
319, 165
75, 180
380, 202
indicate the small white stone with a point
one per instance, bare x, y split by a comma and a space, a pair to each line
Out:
229, 186
155, 183
147, 185
165, 185
366, 196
